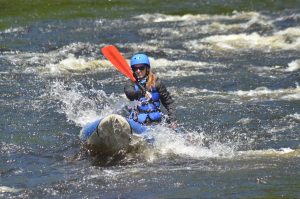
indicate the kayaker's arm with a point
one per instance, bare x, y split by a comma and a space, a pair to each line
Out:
131, 93
166, 100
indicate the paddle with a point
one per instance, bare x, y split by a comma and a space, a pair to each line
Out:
116, 58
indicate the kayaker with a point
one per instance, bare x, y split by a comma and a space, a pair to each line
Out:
148, 111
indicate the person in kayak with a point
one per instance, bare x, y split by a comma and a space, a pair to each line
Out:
150, 91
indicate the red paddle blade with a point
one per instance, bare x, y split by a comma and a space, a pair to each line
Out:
116, 58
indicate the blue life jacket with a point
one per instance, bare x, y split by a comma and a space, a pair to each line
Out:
147, 110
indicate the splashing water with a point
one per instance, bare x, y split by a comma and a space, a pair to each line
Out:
79, 107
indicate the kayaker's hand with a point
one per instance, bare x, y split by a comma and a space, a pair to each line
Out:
148, 95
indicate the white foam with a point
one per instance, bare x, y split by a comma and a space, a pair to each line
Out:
73, 64
181, 68
258, 94
244, 121
203, 17
293, 16
288, 39
190, 144
286, 150
263, 93
13, 30
9, 148
180, 73
79, 107
295, 116
5, 189
61, 61
214, 24
274, 130
75, 105
164, 63
266, 152
293, 66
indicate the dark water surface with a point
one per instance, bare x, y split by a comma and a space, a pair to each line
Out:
232, 66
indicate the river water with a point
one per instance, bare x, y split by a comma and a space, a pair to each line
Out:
233, 69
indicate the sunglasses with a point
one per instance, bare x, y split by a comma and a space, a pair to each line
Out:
141, 68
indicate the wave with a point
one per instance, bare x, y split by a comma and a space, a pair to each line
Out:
82, 105
158, 17
61, 61
295, 116
241, 31
5, 189
282, 152
267, 70
288, 39
293, 66
197, 145
72, 64
13, 30
258, 94
198, 26
263, 93
64, 61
